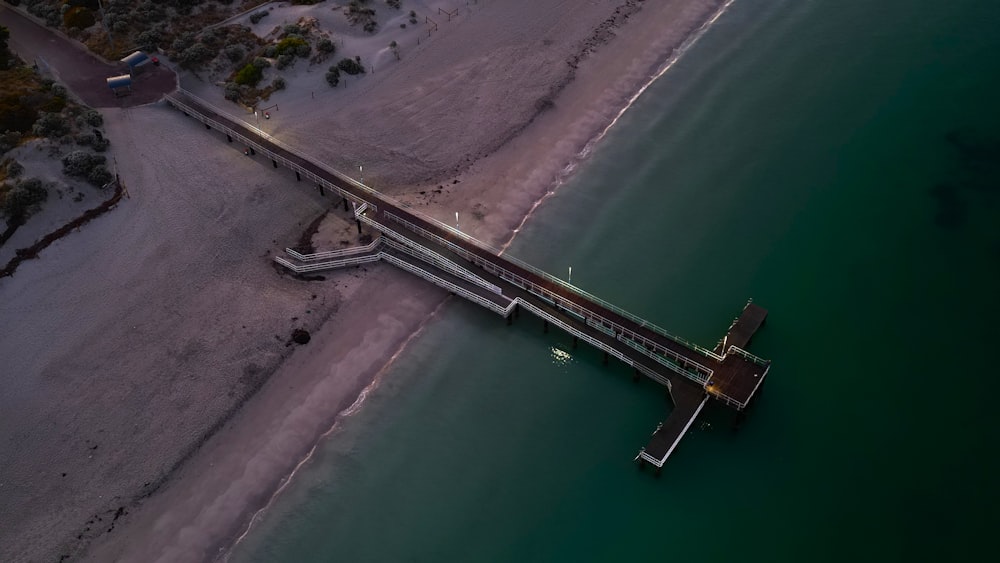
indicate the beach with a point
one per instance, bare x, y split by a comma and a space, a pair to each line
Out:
155, 401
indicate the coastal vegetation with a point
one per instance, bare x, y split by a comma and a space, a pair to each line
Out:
37, 111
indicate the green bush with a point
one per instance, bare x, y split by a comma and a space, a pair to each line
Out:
249, 75
257, 16
291, 44
278, 83
261, 63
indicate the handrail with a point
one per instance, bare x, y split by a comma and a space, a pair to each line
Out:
376, 196
333, 253
443, 283
554, 297
733, 349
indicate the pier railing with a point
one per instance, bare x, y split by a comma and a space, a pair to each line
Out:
372, 198
331, 254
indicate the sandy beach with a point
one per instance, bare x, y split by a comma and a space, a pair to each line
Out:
153, 401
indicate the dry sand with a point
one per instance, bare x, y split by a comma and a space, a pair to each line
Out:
139, 338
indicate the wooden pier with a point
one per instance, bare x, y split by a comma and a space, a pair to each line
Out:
467, 267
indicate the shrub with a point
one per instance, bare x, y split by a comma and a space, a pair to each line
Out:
326, 46
278, 83
14, 169
182, 42
333, 76
291, 29
261, 63
99, 176
93, 118
303, 50
24, 199
195, 55
270, 51
80, 163
393, 3
148, 40
257, 16
234, 53
232, 91
249, 75
291, 44
50, 125
285, 60
351, 66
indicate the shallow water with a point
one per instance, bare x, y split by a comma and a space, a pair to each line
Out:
839, 162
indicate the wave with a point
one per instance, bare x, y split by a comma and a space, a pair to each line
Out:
567, 171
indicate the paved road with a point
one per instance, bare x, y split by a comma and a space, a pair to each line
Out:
82, 72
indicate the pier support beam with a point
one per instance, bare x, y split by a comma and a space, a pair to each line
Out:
274, 162
207, 126
298, 177
229, 138
545, 326
321, 192
575, 342
252, 152
635, 376
358, 221
345, 204
517, 309
510, 320
606, 358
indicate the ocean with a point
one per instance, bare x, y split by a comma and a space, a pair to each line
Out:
838, 162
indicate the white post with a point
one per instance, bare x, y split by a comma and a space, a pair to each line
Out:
570, 280
361, 170
456, 221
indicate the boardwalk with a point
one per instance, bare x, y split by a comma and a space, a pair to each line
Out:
467, 267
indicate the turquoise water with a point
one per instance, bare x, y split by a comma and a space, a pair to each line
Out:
839, 162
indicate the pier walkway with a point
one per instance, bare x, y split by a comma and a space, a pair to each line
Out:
471, 269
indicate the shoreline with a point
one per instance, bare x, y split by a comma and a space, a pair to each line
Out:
221, 547
212, 495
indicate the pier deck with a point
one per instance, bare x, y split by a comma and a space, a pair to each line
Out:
688, 402
466, 266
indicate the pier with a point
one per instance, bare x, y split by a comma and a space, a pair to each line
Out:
443, 255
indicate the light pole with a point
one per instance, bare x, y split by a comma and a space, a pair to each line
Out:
361, 170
